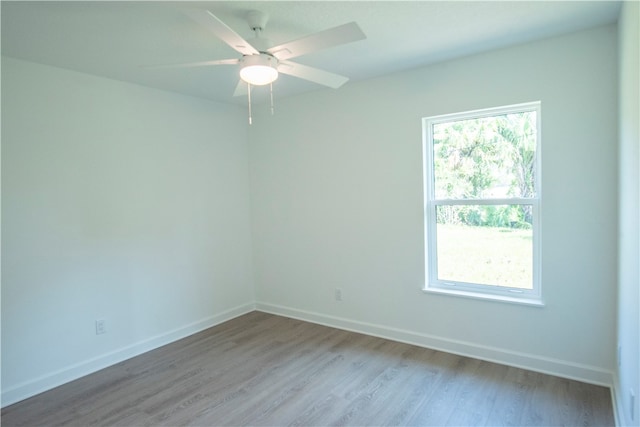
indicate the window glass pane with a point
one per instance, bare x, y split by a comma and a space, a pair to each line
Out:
487, 157
485, 244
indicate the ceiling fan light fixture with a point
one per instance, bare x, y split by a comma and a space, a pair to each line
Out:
259, 70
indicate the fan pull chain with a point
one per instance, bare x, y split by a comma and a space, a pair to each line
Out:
249, 96
271, 90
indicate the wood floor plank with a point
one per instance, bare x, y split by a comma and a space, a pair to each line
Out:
266, 370
479, 395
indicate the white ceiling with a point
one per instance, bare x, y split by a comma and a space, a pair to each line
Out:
116, 39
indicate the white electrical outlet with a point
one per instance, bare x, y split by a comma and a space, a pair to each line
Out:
101, 326
338, 294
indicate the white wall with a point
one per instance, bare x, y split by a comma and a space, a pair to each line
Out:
130, 204
628, 372
337, 201
121, 203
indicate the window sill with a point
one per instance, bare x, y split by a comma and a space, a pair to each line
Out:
535, 302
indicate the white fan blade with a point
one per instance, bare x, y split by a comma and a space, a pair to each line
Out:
196, 64
342, 34
241, 89
312, 74
221, 30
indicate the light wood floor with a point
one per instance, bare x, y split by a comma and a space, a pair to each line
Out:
261, 369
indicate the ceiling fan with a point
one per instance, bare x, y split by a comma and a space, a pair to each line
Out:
261, 63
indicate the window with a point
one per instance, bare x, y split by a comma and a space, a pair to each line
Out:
482, 203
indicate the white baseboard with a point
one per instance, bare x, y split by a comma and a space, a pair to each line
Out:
618, 405
556, 367
38, 385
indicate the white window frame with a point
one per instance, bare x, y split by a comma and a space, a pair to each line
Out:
500, 293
